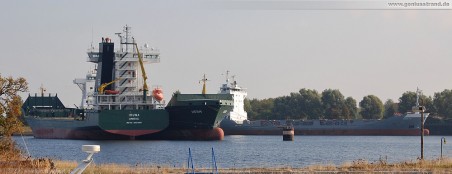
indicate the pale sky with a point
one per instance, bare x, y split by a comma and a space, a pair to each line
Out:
272, 52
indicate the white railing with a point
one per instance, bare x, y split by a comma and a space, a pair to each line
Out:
93, 56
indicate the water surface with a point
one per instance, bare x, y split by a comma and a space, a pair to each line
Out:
245, 151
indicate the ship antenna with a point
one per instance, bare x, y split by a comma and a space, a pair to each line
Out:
42, 89
92, 35
227, 76
233, 80
204, 80
120, 41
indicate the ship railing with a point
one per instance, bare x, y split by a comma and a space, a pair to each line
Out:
142, 50
147, 58
151, 58
129, 102
127, 85
125, 76
93, 56
130, 106
127, 68
132, 97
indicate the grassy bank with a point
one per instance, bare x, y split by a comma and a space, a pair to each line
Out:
360, 166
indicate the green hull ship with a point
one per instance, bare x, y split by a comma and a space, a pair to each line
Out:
115, 103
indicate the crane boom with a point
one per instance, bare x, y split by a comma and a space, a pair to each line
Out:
104, 85
143, 72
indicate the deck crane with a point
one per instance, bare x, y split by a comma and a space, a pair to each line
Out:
104, 85
143, 72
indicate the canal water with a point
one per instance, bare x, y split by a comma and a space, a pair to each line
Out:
245, 151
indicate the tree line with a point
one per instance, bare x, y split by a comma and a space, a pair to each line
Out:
331, 104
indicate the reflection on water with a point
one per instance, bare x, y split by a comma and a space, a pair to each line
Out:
245, 151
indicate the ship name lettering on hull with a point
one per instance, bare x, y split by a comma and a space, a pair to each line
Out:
196, 112
134, 119
136, 122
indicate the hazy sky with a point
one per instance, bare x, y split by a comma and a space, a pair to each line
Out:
272, 51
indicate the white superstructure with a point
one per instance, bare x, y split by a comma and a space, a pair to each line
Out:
238, 113
126, 84
87, 86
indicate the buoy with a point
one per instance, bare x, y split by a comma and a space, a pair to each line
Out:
288, 133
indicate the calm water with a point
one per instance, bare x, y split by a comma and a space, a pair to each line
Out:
246, 151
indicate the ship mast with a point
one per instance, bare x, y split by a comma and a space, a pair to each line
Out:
204, 80
418, 92
417, 108
42, 89
227, 76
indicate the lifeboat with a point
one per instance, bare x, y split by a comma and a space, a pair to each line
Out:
157, 93
111, 92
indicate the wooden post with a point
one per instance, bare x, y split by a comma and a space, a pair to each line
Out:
421, 108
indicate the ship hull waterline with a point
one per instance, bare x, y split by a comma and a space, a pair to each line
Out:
350, 132
95, 133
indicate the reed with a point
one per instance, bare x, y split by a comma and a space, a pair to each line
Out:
358, 166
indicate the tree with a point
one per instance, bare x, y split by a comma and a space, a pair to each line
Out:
287, 107
10, 104
371, 107
390, 108
408, 100
10, 111
247, 105
333, 104
261, 109
442, 102
310, 104
306, 104
350, 105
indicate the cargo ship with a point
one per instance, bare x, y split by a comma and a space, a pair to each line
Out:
236, 122
116, 103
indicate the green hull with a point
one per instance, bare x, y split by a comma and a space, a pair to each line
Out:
198, 111
133, 122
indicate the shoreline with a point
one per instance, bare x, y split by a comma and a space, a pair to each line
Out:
358, 166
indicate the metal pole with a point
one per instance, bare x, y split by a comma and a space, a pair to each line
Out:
443, 140
442, 147
422, 133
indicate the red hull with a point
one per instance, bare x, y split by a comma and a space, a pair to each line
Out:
99, 134
388, 132
82, 134
187, 134
132, 133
